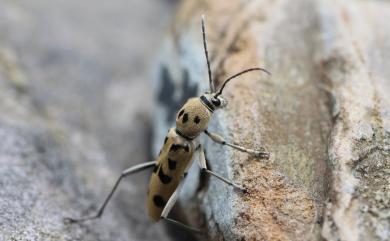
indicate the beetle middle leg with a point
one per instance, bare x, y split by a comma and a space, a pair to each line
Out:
220, 140
168, 207
125, 173
202, 164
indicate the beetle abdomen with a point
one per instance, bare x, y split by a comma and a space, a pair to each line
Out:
173, 160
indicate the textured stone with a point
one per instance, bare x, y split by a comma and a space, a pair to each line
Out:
354, 64
323, 115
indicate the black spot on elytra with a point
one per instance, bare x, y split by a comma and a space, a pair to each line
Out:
187, 148
164, 178
159, 201
166, 139
174, 147
180, 113
166, 95
185, 118
155, 168
171, 164
197, 120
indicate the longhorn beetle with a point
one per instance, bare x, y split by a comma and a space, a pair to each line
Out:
180, 145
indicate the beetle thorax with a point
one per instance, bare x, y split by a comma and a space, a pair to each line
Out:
193, 118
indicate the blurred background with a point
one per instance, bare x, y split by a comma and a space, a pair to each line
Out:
75, 91
88, 64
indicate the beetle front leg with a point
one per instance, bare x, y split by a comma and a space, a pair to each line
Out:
220, 140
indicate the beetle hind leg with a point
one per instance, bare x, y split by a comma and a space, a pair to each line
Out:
125, 173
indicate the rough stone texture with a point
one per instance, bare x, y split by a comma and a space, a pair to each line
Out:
324, 116
75, 105
354, 61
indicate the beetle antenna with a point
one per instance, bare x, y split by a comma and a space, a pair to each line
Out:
207, 55
238, 74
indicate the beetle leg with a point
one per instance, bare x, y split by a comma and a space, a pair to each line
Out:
168, 207
125, 173
202, 164
220, 140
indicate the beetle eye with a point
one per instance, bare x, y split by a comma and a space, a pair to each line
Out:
216, 101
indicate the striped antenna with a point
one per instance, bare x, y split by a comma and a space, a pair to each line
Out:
207, 56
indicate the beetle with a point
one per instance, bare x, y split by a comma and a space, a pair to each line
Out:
180, 146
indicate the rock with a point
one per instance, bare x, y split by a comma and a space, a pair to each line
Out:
355, 70
75, 104
323, 115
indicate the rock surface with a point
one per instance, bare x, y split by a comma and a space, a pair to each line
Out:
324, 116
354, 64
75, 105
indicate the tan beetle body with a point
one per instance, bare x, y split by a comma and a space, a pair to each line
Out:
175, 156
177, 153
